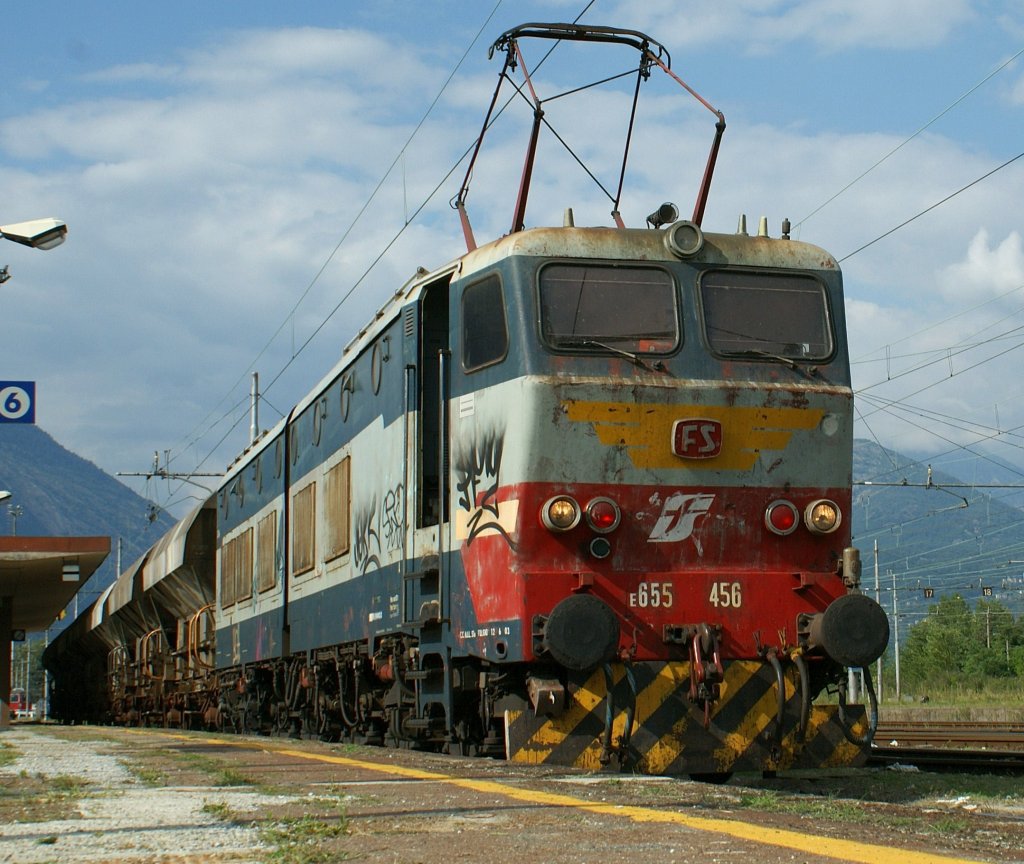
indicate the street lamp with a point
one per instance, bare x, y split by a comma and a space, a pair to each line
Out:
38, 233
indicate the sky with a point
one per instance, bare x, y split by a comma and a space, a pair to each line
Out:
246, 183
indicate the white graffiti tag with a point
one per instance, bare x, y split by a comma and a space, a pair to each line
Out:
678, 517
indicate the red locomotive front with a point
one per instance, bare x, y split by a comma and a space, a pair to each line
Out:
656, 499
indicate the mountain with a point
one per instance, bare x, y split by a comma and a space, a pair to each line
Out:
61, 494
935, 536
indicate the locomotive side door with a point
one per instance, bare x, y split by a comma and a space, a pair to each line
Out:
425, 583
427, 468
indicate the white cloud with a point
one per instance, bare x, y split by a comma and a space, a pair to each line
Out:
937, 373
986, 271
198, 216
832, 25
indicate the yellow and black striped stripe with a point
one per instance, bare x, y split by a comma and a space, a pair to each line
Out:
668, 734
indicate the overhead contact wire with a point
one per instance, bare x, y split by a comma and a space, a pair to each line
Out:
906, 141
932, 207
408, 221
195, 437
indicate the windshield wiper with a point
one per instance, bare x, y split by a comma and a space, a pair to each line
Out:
636, 359
778, 358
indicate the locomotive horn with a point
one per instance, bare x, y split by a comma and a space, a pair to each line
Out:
666, 213
853, 630
582, 632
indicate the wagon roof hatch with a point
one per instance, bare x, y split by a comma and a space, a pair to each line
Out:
651, 53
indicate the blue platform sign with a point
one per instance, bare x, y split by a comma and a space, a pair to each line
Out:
17, 401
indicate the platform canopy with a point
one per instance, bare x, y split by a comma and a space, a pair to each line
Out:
40, 575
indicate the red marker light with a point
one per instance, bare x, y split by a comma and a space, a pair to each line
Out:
603, 515
781, 517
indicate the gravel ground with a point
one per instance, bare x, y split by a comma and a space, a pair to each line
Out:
117, 818
381, 806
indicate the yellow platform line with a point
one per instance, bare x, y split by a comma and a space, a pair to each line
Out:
828, 847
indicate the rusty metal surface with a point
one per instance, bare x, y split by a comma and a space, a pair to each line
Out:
649, 245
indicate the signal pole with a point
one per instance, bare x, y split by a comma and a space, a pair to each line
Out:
878, 596
896, 632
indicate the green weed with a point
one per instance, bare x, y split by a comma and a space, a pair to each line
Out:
7, 754
68, 785
949, 825
146, 774
220, 774
304, 840
820, 809
220, 810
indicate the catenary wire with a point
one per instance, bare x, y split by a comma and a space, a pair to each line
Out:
948, 198
906, 141
316, 277
235, 407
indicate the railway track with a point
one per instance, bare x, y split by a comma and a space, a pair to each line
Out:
950, 745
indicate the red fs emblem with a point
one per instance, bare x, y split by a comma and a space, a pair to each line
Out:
697, 438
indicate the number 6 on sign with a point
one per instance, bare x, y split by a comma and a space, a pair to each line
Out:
17, 401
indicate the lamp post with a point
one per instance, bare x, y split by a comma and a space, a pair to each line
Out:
15, 510
37, 233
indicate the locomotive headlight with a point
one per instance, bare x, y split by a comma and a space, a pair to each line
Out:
822, 517
603, 515
781, 517
560, 513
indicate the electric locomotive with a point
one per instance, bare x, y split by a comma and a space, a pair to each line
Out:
580, 497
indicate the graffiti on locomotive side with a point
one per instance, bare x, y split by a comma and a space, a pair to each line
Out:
477, 469
378, 529
391, 521
679, 515
366, 542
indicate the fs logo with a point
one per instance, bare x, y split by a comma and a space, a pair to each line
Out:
697, 438
678, 517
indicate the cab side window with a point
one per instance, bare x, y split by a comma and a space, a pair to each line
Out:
484, 324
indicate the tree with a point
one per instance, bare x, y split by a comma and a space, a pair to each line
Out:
955, 646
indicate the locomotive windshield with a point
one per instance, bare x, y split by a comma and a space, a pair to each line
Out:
749, 314
594, 307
